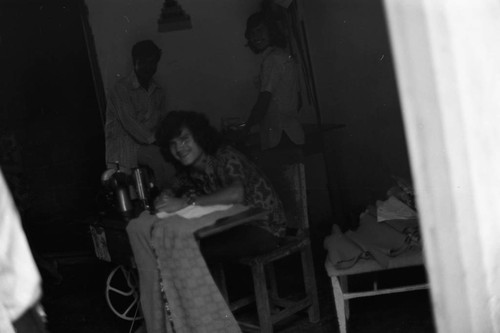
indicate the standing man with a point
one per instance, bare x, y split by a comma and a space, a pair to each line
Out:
278, 103
135, 106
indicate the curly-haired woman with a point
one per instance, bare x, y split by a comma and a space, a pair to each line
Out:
209, 172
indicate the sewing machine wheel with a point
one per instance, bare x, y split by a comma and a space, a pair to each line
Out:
122, 293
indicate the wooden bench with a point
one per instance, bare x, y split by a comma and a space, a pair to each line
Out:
340, 286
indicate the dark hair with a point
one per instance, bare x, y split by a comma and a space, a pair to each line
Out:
145, 49
170, 127
276, 35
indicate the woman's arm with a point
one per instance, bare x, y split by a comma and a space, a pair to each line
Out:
231, 194
229, 174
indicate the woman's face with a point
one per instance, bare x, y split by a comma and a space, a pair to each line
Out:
185, 149
145, 68
259, 37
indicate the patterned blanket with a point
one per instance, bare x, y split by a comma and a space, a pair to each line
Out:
194, 302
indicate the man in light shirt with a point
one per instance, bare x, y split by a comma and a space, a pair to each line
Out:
135, 105
276, 110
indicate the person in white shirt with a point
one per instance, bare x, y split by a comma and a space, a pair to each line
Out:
277, 107
20, 281
135, 105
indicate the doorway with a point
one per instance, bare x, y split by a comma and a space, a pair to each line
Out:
51, 131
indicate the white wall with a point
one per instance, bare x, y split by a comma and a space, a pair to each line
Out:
207, 68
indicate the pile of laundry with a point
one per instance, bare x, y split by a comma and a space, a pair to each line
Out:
386, 229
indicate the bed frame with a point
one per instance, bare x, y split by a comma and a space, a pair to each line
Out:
339, 277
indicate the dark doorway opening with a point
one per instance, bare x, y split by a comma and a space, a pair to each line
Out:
51, 130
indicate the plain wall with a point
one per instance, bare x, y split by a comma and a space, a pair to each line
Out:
356, 86
207, 68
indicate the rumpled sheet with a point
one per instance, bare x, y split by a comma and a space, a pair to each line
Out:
195, 303
372, 239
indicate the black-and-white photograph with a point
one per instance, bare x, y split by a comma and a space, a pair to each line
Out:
230, 166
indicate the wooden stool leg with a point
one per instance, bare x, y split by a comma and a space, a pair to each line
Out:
262, 298
272, 281
310, 284
339, 304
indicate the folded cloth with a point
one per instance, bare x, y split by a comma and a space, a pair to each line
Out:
195, 303
392, 209
409, 227
378, 240
343, 253
404, 226
191, 211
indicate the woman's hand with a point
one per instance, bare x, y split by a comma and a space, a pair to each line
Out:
168, 203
